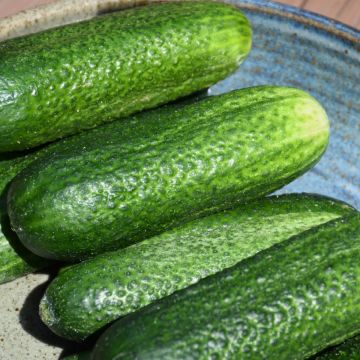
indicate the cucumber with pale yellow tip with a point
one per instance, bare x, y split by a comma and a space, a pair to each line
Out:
118, 184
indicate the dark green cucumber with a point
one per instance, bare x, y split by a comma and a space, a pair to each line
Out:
286, 303
15, 259
88, 296
125, 181
348, 350
60, 81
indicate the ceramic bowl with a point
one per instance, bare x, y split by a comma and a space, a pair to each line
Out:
291, 47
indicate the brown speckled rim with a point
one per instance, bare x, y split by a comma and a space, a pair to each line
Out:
62, 12
57, 13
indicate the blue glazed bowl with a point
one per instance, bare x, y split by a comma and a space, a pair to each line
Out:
297, 48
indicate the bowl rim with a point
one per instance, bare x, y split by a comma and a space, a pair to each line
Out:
303, 16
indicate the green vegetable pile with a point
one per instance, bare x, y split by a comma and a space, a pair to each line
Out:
160, 219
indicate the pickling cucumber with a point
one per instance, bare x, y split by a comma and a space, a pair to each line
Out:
86, 297
287, 303
63, 80
118, 184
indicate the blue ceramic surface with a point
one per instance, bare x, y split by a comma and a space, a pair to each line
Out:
297, 48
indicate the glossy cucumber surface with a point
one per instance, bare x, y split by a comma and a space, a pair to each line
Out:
287, 302
61, 81
129, 180
85, 297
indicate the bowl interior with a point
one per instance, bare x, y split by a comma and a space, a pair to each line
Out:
296, 53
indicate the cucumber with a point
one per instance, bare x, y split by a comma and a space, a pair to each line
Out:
86, 297
286, 303
348, 350
60, 81
15, 259
115, 185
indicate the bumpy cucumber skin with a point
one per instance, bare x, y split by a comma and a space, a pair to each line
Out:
348, 350
287, 302
92, 294
15, 259
125, 181
75, 77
